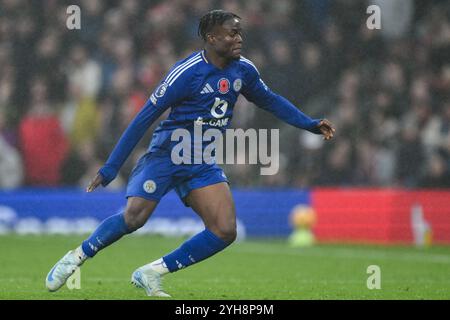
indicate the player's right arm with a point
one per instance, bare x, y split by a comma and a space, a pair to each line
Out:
134, 132
170, 92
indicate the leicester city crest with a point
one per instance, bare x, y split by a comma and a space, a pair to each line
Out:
149, 186
237, 85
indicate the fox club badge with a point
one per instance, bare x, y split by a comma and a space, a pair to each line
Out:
149, 186
237, 85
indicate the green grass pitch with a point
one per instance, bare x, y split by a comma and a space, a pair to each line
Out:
258, 269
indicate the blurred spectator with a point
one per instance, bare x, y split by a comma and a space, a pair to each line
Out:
84, 84
437, 174
11, 170
410, 157
338, 165
42, 141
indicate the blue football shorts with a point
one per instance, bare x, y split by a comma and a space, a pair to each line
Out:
155, 174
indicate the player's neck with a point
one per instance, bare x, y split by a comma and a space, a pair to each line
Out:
216, 60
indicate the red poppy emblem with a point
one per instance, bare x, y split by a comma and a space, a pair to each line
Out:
223, 85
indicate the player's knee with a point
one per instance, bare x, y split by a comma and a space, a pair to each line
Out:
227, 233
134, 219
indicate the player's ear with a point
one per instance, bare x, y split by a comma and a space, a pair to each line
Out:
210, 38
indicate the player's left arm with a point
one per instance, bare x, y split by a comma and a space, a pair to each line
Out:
256, 91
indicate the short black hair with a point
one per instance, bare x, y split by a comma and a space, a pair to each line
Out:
212, 18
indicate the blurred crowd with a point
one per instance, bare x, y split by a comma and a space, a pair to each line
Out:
66, 95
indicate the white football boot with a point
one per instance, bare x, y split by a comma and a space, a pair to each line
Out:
150, 281
62, 270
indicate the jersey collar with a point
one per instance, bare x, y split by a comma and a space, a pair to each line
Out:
204, 56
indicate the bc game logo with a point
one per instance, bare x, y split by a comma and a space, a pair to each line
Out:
219, 108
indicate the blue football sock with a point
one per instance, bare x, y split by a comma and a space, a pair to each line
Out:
196, 249
109, 231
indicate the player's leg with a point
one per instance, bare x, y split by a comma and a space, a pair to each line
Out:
143, 195
207, 192
214, 204
137, 212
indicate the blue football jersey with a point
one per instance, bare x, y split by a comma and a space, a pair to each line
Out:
199, 92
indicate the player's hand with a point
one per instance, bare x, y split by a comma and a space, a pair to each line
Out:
327, 129
95, 183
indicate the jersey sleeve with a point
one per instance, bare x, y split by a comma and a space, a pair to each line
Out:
256, 91
169, 92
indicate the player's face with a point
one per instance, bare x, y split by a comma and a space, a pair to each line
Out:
227, 39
